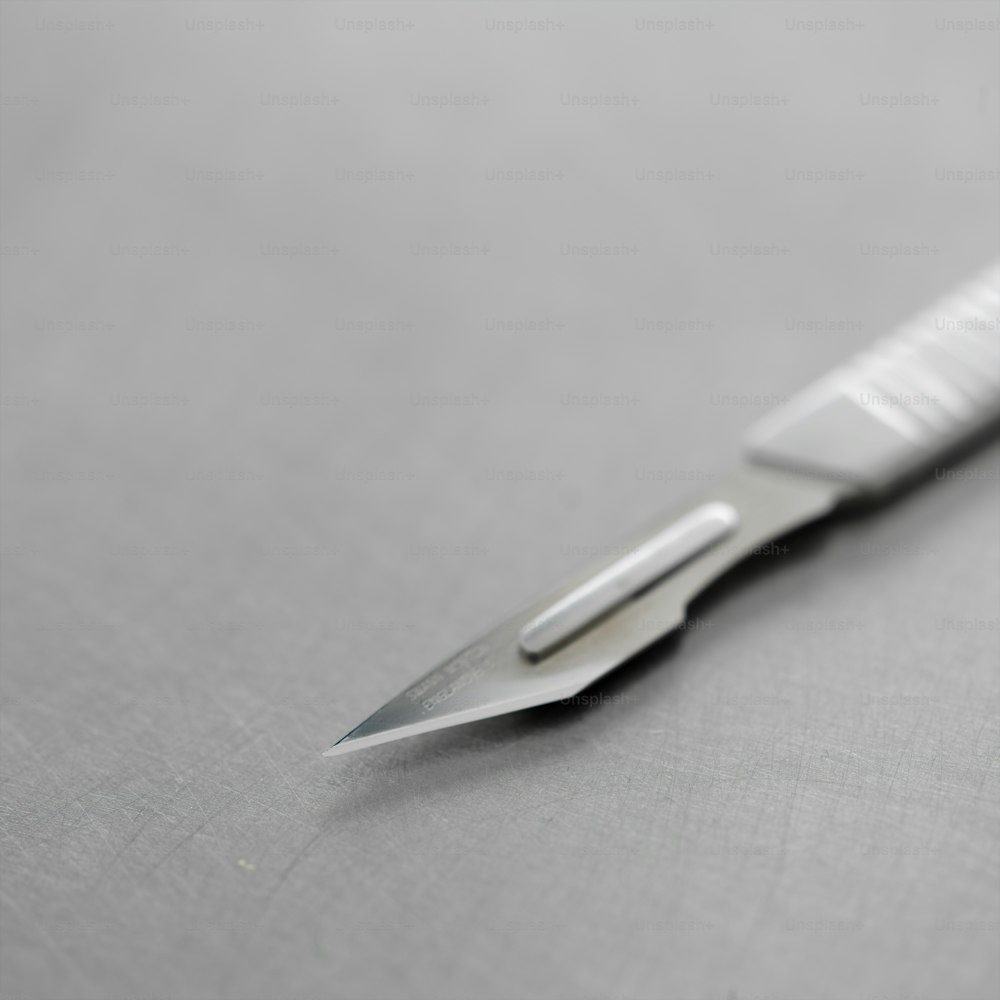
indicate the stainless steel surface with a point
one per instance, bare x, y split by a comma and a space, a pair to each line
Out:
491, 676
615, 584
901, 405
249, 495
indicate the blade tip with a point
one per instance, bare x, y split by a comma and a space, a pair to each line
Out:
336, 749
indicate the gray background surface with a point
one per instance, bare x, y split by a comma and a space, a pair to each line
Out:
250, 493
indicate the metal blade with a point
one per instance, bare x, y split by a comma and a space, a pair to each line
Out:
494, 676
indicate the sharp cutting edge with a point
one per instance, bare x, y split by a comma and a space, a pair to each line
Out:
854, 435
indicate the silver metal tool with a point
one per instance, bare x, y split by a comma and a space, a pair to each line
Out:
854, 435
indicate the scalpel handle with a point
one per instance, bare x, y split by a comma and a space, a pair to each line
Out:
901, 405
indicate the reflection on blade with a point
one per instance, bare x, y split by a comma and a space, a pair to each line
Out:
404, 716
490, 677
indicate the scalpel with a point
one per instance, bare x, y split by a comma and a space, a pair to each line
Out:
855, 435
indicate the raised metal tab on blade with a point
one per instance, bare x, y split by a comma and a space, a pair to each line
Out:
656, 557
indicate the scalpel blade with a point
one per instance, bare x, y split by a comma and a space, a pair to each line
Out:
503, 671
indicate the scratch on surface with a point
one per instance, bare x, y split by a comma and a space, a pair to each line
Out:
286, 872
188, 836
899, 763
240, 793
284, 778
182, 784
159, 814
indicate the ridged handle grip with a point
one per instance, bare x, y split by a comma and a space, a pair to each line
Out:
900, 405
